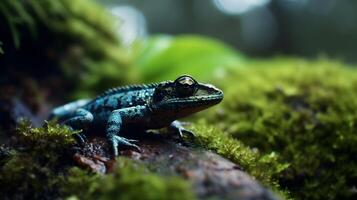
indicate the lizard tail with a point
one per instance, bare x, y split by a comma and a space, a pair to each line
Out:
62, 111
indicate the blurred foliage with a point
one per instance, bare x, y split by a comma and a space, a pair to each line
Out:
71, 38
129, 180
305, 111
1, 50
165, 58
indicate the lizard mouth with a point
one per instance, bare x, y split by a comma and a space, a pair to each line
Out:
192, 99
206, 94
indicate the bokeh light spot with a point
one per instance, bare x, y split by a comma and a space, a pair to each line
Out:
236, 7
131, 23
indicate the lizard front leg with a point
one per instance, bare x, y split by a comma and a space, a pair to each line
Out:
114, 125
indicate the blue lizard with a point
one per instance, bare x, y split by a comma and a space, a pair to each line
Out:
150, 106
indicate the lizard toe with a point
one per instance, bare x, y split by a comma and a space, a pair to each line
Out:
182, 132
114, 146
127, 142
80, 138
131, 140
188, 133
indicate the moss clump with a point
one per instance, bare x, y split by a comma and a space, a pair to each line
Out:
306, 112
34, 167
129, 180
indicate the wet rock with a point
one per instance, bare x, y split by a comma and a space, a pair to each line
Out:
93, 164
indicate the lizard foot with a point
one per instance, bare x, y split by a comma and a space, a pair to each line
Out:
181, 131
117, 140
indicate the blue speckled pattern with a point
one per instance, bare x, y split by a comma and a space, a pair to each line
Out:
150, 106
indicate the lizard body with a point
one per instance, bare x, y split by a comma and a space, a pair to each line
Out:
150, 106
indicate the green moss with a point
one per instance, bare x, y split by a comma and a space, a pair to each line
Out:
38, 138
305, 111
129, 180
35, 165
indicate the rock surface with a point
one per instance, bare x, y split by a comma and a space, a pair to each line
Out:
212, 176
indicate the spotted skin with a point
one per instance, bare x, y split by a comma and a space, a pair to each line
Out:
150, 106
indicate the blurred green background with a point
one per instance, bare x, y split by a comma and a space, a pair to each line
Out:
257, 28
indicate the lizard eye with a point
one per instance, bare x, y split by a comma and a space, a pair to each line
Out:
185, 86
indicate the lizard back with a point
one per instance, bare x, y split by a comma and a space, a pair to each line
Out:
121, 97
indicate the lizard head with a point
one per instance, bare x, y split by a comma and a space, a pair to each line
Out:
184, 96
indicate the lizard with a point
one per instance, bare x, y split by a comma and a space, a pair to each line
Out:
144, 107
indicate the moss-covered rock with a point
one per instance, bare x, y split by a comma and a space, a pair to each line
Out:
39, 165
290, 123
303, 111
264, 167
34, 164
